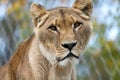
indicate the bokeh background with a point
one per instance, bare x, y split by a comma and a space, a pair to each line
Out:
101, 58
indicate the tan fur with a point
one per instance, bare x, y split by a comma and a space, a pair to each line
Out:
43, 56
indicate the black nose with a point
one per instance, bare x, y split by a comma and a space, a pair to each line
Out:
69, 45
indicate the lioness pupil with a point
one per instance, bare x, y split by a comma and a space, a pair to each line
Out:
52, 27
77, 24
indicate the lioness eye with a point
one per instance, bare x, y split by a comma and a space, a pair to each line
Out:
53, 28
77, 24
38, 20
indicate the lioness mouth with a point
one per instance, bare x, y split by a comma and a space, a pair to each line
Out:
69, 55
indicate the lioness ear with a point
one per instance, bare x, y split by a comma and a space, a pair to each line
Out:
84, 5
37, 12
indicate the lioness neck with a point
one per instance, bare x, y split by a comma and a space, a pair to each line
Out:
60, 72
42, 69
38, 62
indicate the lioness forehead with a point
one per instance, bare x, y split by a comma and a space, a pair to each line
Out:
67, 12
63, 15
59, 11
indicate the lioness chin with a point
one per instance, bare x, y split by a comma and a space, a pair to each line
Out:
60, 35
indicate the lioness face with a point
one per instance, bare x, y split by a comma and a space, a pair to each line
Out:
62, 33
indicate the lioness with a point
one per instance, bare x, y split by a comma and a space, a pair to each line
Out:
59, 37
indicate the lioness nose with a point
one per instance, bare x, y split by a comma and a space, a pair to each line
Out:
69, 45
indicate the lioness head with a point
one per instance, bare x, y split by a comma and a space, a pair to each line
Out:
62, 33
